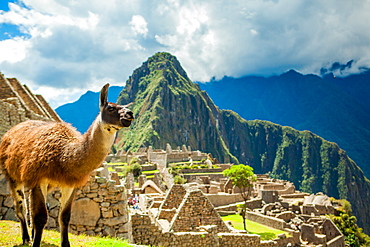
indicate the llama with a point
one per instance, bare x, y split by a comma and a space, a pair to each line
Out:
41, 155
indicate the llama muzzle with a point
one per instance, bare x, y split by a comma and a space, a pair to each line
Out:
127, 116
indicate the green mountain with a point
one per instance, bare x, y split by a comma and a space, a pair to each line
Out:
169, 108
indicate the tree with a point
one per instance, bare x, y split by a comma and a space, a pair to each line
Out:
242, 176
347, 224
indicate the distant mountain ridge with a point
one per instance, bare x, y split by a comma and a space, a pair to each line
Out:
83, 112
337, 109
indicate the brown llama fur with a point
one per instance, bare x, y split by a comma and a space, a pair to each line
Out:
42, 155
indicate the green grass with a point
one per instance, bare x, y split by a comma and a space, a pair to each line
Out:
10, 236
149, 172
202, 173
118, 163
184, 163
266, 233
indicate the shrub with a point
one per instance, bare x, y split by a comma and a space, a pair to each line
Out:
136, 169
179, 180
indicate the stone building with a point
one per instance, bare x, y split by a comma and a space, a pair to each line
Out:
186, 218
18, 104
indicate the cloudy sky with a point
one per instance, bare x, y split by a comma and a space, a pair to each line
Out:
62, 48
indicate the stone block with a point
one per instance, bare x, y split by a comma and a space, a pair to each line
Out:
213, 189
116, 220
10, 215
54, 212
52, 201
85, 212
51, 223
108, 231
121, 207
125, 227
92, 195
89, 233
4, 187
105, 204
107, 214
8, 202
101, 180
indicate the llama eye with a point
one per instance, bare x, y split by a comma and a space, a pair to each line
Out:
111, 109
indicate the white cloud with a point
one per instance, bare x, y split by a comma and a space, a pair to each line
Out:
13, 50
139, 25
81, 44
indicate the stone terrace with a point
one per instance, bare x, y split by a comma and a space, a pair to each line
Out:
18, 104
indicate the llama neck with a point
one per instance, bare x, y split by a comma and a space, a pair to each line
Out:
93, 147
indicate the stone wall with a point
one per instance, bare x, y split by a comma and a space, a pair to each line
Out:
146, 232
336, 242
221, 199
194, 211
233, 207
201, 170
11, 115
193, 177
18, 104
266, 220
100, 208
174, 197
6, 201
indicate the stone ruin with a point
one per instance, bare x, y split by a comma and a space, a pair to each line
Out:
18, 104
159, 156
275, 203
186, 218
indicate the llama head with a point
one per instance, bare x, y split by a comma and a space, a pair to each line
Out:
114, 116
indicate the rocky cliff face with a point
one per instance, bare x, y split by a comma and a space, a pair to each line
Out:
169, 108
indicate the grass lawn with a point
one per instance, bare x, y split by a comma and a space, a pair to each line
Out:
266, 233
149, 172
201, 173
10, 236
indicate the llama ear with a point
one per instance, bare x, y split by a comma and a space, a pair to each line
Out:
104, 96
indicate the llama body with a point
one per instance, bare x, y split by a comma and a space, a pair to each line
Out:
41, 155
62, 146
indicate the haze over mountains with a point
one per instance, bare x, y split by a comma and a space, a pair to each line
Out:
169, 108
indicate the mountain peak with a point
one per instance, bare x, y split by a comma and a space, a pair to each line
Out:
160, 70
291, 73
170, 108
165, 61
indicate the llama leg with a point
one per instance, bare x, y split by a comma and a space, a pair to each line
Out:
65, 214
39, 214
19, 202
